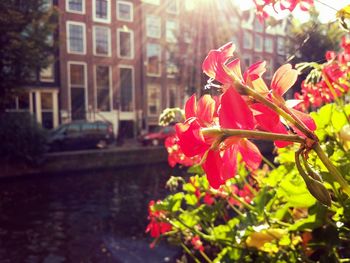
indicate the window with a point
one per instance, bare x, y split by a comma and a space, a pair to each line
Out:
258, 26
47, 109
247, 59
76, 38
153, 2
153, 59
47, 74
173, 7
280, 46
77, 84
171, 63
153, 99
125, 43
18, 103
102, 41
126, 89
103, 85
153, 26
257, 59
172, 96
171, 31
125, 11
269, 68
75, 6
101, 9
269, 44
258, 43
247, 40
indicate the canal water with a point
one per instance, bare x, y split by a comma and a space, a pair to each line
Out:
81, 217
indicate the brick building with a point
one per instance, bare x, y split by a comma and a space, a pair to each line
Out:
126, 60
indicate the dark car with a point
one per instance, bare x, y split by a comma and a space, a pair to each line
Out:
81, 135
158, 136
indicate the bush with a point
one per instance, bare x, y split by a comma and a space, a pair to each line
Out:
22, 138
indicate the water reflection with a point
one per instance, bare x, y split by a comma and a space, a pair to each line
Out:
76, 217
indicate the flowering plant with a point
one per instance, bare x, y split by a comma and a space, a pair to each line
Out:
235, 208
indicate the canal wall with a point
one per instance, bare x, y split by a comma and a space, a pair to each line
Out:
88, 160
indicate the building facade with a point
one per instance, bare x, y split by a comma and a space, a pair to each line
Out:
125, 61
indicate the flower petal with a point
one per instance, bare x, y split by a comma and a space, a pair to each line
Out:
283, 79
250, 154
269, 120
191, 140
213, 64
234, 112
211, 166
191, 107
255, 71
234, 66
306, 119
206, 109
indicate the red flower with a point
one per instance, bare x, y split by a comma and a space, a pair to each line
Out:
175, 154
197, 243
214, 63
221, 164
191, 139
156, 227
208, 199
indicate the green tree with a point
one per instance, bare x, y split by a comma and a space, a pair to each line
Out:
312, 39
27, 30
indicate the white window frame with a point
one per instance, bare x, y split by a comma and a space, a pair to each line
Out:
151, 2
68, 23
251, 39
160, 60
176, 95
51, 67
173, 33
280, 51
131, 11
94, 41
160, 26
160, 99
75, 11
110, 87
69, 63
133, 87
132, 42
96, 19
261, 42
272, 44
248, 56
169, 11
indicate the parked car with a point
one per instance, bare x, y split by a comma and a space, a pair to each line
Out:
81, 135
158, 136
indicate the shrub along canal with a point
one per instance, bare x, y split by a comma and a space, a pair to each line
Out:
94, 216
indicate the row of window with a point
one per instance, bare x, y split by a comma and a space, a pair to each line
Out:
104, 90
260, 43
125, 47
76, 40
102, 9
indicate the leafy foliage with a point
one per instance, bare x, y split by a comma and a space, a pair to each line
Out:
22, 138
277, 220
26, 43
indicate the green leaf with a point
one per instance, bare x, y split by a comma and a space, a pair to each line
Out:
191, 199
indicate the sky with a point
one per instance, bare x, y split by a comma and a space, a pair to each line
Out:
326, 13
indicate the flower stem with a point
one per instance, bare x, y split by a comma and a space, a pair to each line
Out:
205, 256
274, 107
190, 253
250, 134
331, 168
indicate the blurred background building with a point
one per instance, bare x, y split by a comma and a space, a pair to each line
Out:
126, 60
